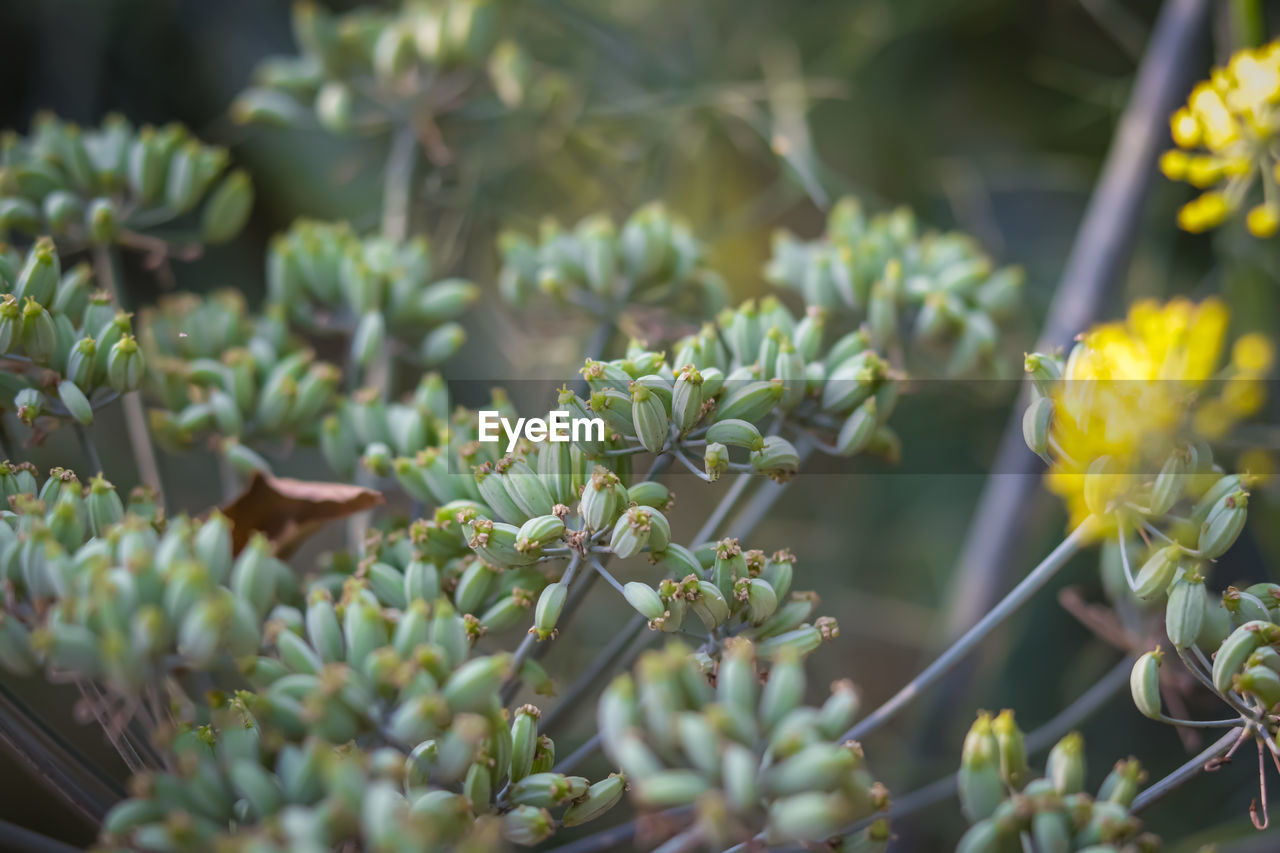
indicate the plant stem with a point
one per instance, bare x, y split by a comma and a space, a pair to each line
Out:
1184, 773
135, 418
90, 449
1098, 257
530, 640
1038, 577
397, 188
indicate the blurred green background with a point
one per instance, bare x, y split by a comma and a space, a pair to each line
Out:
991, 116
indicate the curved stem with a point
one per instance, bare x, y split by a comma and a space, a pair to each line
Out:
1011, 602
1188, 770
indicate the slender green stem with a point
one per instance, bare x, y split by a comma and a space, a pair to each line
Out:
1018, 596
530, 640
397, 191
135, 417
1248, 23
1188, 770
89, 448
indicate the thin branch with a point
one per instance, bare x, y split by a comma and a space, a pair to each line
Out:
89, 448
1038, 577
1188, 770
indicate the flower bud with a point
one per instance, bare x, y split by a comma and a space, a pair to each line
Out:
600, 797
1036, 421
687, 398
474, 685
527, 825
750, 401
101, 221
649, 417
670, 788
1013, 750
857, 430
39, 334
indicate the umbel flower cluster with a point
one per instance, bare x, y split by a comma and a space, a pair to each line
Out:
1226, 136
389, 694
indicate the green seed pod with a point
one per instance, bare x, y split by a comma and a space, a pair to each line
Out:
1101, 484
715, 460
1065, 767
472, 591
979, 782
1156, 573
228, 208
749, 402
547, 612
1036, 421
473, 687
324, 630
20, 215
1236, 649
687, 398
125, 365
1210, 499
10, 322
540, 531
369, 339
631, 532
62, 210
72, 295
650, 493
1144, 684
75, 401
1122, 783
524, 741
1260, 682
736, 433
1244, 607
600, 797
858, 429
811, 816
649, 417
1184, 612
1170, 483
104, 505
39, 275
851, 381
1013, 750
669, 788
645, 600
527, 825
39, 334
507, 612
1223, 525
759, 596
525, 488
778, 458
101, 221
1265, 656
783, 691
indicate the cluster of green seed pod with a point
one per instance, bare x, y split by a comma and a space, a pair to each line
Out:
218, 370
734, 592
936, 291
119, 594
405, 439
326, 279
69, 349
1009, 810
360, 71
750, 758
122, 597
91, 186
653, 258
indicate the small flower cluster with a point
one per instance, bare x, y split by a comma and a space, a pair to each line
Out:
216, 369
1138, 397
1004, 803
68, 350
1225, 135
752, 761
653, 259
938, 292
101, 186
363, 70
326, 280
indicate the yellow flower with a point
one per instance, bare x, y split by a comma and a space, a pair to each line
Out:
1232, 120
1134, 392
